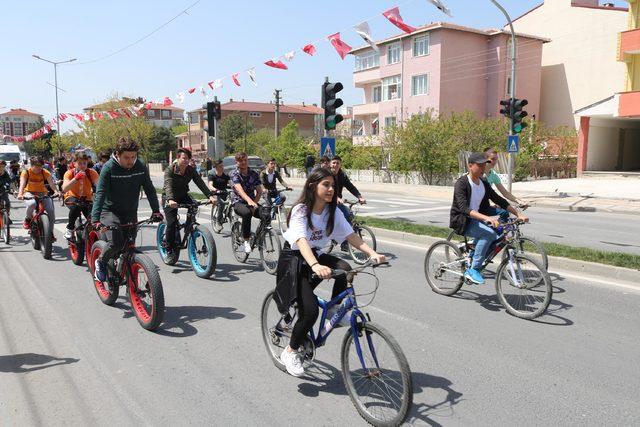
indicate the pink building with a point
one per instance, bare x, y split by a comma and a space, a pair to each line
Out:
442, 67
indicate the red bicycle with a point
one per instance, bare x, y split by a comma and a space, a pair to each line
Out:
137, 272
83, 236
41, 227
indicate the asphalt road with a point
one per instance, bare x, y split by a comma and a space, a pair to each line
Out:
65, 358
597, 230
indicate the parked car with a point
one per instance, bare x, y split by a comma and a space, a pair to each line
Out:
255, 163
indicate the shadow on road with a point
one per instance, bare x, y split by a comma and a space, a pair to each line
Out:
28, 362
178, 321
324, 378
230, 272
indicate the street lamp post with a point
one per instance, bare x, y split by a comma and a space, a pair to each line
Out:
512, 86
55, 74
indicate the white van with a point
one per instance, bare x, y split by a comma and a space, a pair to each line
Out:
9, 152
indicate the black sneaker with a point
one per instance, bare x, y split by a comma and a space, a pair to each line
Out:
344, 247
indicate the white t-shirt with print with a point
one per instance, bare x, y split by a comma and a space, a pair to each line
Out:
317, 238
477, 194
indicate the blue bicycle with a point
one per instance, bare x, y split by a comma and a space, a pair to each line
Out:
374, 368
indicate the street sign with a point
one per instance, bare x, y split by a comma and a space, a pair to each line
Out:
328, 147
513, 143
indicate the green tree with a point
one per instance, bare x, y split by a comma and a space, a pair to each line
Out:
160, 144
233, 128
290, 147
177, 130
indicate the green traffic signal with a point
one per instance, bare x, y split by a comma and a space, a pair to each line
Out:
330, 104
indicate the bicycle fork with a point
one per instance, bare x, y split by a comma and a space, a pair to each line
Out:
356, 339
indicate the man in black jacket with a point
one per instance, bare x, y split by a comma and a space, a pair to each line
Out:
342, 181
471, 213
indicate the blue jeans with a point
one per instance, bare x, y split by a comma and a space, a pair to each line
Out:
503, 213
483, 236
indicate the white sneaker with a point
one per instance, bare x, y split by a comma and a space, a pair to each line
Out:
247, 247
68, 234
293, 362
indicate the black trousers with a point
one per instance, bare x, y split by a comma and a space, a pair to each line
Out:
116, 239
4, 199
245, 212
221, 203
171, 217
75, 211
308, 310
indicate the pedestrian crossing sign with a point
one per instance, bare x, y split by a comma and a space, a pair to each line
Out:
328, 147
513, 143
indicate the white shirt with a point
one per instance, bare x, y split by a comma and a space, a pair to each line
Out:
317, 237
477, 194
270, 176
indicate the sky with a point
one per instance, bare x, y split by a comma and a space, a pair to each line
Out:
212, 40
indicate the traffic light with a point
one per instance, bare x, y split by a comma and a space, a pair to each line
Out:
214, 112
330, 104
506, 108
518, 115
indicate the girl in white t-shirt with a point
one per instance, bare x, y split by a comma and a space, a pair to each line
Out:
312, 223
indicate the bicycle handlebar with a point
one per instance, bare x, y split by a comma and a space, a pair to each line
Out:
131, 224
55, 196
190, 205
339, 272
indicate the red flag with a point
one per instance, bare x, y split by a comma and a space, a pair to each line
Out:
393, 15
148, 105
341, 47
276, 64
167, 102
113, 114
126, 113
210, 85
193, 89
234, 77
98, 115
63, 116
310, 49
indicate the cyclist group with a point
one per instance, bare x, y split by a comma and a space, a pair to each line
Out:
317, 216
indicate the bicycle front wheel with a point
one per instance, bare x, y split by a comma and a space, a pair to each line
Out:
270, 251
169, 258
215, 224
275, 334
366, 234
523, 286
202, 250
145, 292
237, 243
532, 248
107, 292
377, 375
444, 268
281, 213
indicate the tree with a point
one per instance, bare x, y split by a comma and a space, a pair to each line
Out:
234, 127
290, 147
160, 144
177, 130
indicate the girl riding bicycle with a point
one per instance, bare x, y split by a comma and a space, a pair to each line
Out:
312, 224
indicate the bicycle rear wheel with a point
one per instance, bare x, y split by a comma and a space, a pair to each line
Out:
76, 245
275, 332
237, 243
366, 234
46, 232
215, 224
90, 237
107, 292
202, 250
444, 268
145, 292
523, 286
376, 375
270, 251
169, 258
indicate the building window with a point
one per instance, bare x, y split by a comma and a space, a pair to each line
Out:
421, 45
255, 114
166, 114
394, 53
391, 88
367, 60
376, 95
151, 114
509, 54
389, 121
508, 88
375, 128
420, 85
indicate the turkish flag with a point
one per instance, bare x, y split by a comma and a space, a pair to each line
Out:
63, 116
148, 105
341, 47
393, 15
234, 77
309, 49
276, 64
167, 102
193, 89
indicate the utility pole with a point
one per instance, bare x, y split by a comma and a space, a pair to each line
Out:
277, 95
512, 88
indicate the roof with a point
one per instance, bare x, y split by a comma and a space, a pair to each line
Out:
19, 112
448, 26
267, 107
606, 106
162, 107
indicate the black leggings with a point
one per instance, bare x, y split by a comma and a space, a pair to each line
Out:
308, 310
171, 216
245, 212
75, 211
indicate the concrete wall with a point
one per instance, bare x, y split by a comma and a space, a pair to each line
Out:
579, 66
613, 145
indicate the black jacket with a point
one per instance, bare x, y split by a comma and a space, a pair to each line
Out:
176, 186
343, 181
459, 216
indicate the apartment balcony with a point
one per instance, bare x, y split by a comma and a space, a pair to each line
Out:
366, 109
364, 77
628, 44
629, 104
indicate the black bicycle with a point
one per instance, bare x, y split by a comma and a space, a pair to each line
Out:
80, 235
227, 212
278, 210
5, 231
264, 238
196, 239
365, 233
41, 227
137, 272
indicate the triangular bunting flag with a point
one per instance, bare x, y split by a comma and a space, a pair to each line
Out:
167, 102
365, 32
234, 77
252, 76
180, 97
309, 49
276, 64
393, 15
341, 47
289, 55
193, 89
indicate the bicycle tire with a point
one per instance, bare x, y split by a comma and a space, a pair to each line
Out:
76, 249
34, 232
430, 272
107, 293
215, 225
6, 228
148, 317
546, 292
270, 243
539, 253
47, 236
268, 336
237, 242
166, 257
202, 271
281, 213
403, 377
90, 237
359, 257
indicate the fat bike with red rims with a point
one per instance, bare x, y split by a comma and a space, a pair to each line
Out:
136, 272
80, 234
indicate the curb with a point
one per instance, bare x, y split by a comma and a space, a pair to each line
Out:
591, 269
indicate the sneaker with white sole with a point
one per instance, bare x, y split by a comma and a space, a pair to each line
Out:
68, 234
293, 362
247, 247
100, 272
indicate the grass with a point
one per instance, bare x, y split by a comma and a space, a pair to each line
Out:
616, 259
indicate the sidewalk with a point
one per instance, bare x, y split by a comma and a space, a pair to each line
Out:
613, 195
